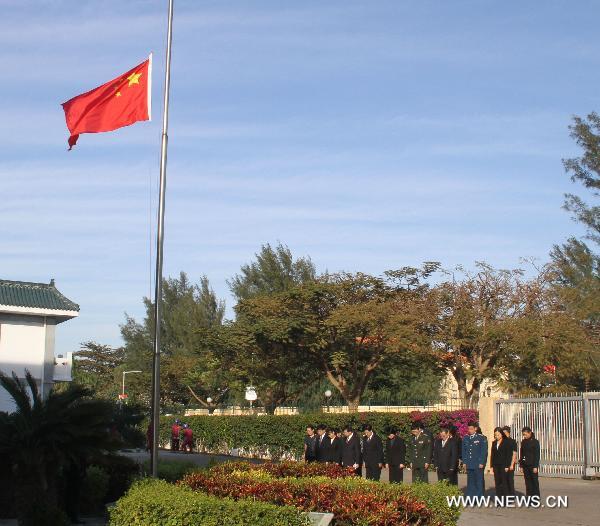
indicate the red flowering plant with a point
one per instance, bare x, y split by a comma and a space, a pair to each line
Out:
352, 500
436, 419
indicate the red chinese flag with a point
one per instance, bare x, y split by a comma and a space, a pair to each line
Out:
120, 102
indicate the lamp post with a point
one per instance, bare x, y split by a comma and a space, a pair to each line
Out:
123, 390
251, 396
327, 398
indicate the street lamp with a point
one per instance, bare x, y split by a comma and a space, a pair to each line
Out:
123, 395
209, 400
327, 398
251, 395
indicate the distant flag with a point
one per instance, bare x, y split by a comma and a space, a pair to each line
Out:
118, 103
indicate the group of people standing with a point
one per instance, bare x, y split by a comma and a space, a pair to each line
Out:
351, 450
182, 437
354, 450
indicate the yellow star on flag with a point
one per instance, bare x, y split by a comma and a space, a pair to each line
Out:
118, 94
134, 78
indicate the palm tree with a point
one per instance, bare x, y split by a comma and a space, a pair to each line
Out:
44, 437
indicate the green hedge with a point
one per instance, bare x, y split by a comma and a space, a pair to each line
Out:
170, 470
158, 503
278, 436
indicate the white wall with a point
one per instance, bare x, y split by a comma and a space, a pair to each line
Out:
22, 346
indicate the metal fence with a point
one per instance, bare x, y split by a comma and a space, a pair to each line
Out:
567, 426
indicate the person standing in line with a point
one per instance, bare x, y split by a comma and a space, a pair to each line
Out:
310, 444
372, 453
351, 452
175, 435
500, 461
445, 454
529, 460
456, 436
188, 439
515, 456
419, 453
474, 457
335, 447
395, 455
322, 444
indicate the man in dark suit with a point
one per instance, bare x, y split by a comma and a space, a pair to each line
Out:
351, 452
336, 445
395, 455
310, 444
323, 444
445, 455
372, 452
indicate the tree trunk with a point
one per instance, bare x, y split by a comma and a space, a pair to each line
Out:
353, 404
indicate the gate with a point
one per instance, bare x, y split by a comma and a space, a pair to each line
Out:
568, 428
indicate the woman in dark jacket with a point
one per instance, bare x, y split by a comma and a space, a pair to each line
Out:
501, 460
529, 460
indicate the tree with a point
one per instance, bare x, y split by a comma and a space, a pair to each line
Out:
586, 170
498, 325
470, 332
347, 325
274, 270
262, 347
95, 366
188, 309
44, 436
576, 267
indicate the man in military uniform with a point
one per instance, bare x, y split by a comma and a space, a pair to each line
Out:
419, 453
474, 457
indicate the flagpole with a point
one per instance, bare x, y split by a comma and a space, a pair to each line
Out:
159, 252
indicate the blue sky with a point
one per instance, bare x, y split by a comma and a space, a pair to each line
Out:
368, 135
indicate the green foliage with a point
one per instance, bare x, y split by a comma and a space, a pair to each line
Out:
121, 471
43, 436
282, 435
434, 495
170, 470
97, 367
94, 490
188, 311
274, 270
37, 513
586, 170
157, 503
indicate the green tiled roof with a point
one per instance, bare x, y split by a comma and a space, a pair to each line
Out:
37, 295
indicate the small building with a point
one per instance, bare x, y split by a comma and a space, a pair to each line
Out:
29, 314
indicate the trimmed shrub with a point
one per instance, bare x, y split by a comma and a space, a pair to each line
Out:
94, 490
286, 469
282, 436
158, 503
170, 470
121, 472
352, 500
434, 495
